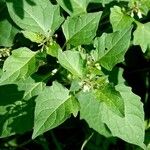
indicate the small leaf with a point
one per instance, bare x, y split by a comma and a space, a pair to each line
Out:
82, 29
53, 49
73, 106
34, 37
53, 106
27, 16
111, 98
72, 61
111, 48
21, 64
142, 36
119, 20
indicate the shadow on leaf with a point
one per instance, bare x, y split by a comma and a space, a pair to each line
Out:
18, 6
16, 114
68, 5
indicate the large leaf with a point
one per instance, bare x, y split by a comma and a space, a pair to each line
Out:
90, 111
53, 106
131, 127
21, 64
142, 36
119, 20
17, 106
82, 29
110, 48
73, 7
101, 118
36, 16
7, 29
73, 62
111, 98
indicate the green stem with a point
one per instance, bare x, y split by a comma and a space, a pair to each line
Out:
86, 141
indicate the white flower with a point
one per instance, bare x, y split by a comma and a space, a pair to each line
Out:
88, 62
97, 65
132, 14
81, 83
54, 71
86, 88
139, 14
69, 76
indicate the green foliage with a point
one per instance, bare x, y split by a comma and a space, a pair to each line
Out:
113, 44
26, 15
73, 7
143, 39
130, 128
119, 19
17, 106
76, 28
8, 29
73, 62
53, 106
62, 58
21, 64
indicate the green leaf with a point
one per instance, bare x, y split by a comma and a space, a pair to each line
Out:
53, 106
7, 29
75, 87
90, 111
73, 105
73, 62
111, 98
131, 127
17, 106
37, 16
74, 7
142, 36
142, 5
116, 76
34, 37
82, 29
21, 64
53, 49
111, 48
101, 118
119, 20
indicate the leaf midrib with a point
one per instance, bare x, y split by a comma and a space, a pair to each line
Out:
72, 66
80, 29
55, 110
115, 43
17, 69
